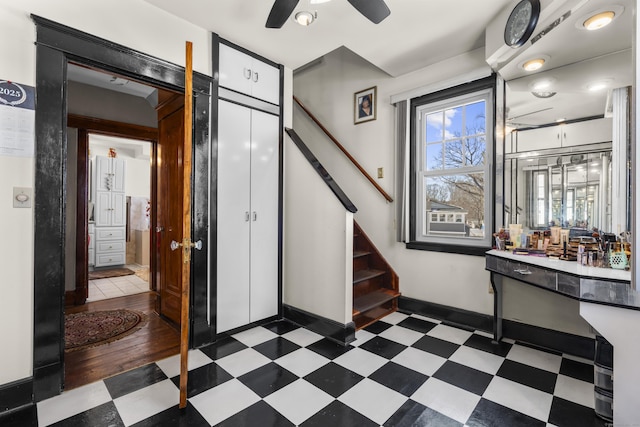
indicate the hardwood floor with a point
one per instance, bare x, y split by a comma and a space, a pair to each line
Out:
156, 340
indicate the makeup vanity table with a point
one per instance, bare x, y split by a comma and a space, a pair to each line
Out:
607, 302
586, 284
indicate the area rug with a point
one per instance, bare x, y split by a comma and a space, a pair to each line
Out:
94, 328
112, 272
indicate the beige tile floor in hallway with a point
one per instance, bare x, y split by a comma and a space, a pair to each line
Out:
114, 287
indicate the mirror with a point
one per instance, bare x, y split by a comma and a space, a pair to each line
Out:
566, 190
566, 143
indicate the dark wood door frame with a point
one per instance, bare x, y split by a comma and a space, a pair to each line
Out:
56, 45
85, 127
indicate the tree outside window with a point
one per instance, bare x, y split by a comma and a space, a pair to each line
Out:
451, 154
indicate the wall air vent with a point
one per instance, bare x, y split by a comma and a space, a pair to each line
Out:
550, 27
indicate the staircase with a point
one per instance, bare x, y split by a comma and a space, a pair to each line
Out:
375, 284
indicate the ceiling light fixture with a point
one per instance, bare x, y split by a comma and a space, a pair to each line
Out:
533, 64
542, 94
539, 86
599, 20
305, 18
598, 86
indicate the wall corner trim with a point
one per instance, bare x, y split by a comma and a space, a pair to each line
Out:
335, 331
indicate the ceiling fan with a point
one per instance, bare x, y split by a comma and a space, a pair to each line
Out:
374, 10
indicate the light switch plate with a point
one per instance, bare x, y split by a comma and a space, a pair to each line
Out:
380, 173
22, 197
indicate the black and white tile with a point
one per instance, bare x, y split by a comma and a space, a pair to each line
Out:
405, 370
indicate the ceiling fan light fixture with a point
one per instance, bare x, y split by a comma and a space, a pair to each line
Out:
305, 18
599, 20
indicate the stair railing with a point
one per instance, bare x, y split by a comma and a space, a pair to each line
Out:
344, 150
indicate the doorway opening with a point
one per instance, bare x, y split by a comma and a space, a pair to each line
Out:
112, 135
119, 201
56, 46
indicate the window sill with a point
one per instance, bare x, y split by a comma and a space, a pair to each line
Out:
452, 249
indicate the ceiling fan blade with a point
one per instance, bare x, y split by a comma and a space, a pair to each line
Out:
280, 12
374, 10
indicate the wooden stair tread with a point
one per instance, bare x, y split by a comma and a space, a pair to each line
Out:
373, 299
362, 275
358, 254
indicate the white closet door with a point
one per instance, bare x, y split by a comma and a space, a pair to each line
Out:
264, 215
235, 70
234, 149
266, 82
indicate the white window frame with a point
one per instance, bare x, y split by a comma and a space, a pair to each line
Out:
420, 114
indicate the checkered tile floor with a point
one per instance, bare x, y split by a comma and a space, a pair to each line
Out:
405, 370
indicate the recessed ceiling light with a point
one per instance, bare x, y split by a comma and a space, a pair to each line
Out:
599, 20
533, 64
305, 18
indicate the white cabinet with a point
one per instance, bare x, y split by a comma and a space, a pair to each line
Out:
110, 246
247, 217
110, 173
566, 135
248, 75
110, 212
110, 209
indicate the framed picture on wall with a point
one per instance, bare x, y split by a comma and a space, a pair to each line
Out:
364, 105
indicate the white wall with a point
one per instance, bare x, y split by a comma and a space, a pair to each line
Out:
318, 243
133, 23
454, 280
106, 104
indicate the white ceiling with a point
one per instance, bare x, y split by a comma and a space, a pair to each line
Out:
422, 32
416, 34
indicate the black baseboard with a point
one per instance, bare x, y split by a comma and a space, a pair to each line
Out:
451, 315
243, 328
335, 331
563, 342
16, 394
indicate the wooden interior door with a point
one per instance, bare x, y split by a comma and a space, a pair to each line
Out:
169, 205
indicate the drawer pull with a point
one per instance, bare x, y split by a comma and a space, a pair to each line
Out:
523, 271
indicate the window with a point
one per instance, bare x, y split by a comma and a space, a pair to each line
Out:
452, 147
540, 193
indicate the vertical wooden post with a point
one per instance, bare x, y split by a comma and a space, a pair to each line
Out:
186, 226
